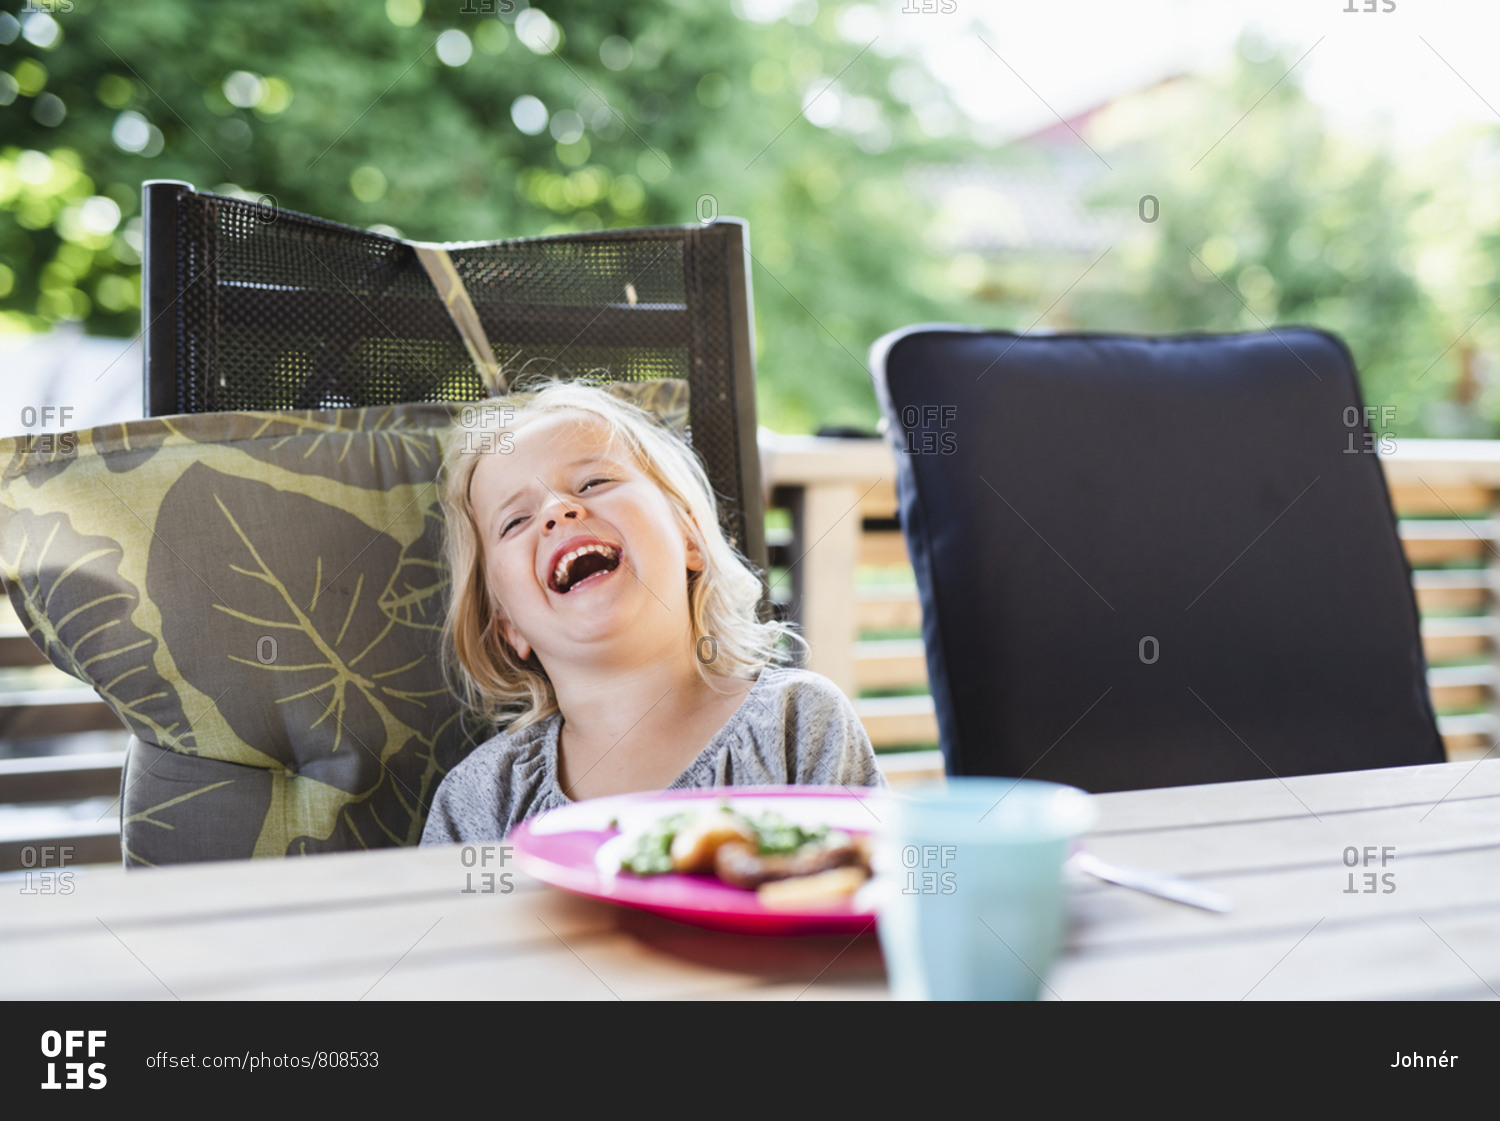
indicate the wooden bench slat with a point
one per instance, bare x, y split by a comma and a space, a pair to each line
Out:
887, 549
1437, 551
1454, 589
60, 778
890, 608
893, 663
1446, 648
908, 768
54, 712
1468, 735
18, 650
90, 842
1441, 541
896, 721
1459, 696
884, 548
1462, 499
1464, 636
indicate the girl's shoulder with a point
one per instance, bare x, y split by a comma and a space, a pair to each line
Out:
799, 685
502, 781
795, 726
516, 739
787, 703
504, 758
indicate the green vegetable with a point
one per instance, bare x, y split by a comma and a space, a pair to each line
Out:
777, 835
650, 856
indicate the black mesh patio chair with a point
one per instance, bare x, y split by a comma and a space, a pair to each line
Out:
1152, 562
248, 306
259, 597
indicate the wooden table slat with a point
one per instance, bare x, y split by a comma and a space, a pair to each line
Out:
397, 923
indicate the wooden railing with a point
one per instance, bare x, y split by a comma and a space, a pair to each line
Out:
840, 565
838, 559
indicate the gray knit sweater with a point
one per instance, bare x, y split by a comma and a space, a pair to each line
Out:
794, 726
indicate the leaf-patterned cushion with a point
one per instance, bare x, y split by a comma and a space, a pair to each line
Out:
258, 597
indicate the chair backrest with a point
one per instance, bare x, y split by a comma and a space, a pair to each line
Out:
251, 307
1153, 561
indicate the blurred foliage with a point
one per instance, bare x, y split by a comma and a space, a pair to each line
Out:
1278, 220
445, 123
441, 122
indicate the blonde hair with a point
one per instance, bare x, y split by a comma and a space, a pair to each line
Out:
483, 668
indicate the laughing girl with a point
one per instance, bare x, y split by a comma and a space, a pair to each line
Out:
602, 622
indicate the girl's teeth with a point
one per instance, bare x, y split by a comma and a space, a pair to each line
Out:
567, 561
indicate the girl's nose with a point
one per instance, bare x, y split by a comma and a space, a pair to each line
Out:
570, 513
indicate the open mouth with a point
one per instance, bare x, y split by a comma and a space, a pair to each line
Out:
583, 564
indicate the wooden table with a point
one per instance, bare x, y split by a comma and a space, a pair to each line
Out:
398, 924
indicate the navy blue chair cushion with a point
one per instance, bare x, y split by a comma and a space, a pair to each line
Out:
1153, 561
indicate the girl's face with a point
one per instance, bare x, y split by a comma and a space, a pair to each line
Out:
580, 545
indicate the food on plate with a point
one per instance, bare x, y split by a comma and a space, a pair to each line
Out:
802, 892
696, 846
788, 865
650, 852
744, 865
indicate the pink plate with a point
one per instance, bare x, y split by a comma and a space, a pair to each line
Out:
562, 848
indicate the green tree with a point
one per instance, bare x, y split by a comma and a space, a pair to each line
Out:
416, 117
1275, 220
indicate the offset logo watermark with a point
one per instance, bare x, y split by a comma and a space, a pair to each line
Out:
1370, 882
488, 878
1362, 436
927, 871
46, 870
483, 429
66, 1045
44, 442
268, 209
929, 429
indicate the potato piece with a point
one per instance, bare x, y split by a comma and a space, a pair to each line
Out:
694, 847
812, 891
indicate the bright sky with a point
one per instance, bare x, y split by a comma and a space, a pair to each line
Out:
1361, 66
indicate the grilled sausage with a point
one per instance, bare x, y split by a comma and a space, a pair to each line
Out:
740, 864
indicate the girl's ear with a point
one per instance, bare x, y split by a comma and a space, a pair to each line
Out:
696, 561
517, 641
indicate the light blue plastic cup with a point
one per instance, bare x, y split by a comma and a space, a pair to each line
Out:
969, 879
